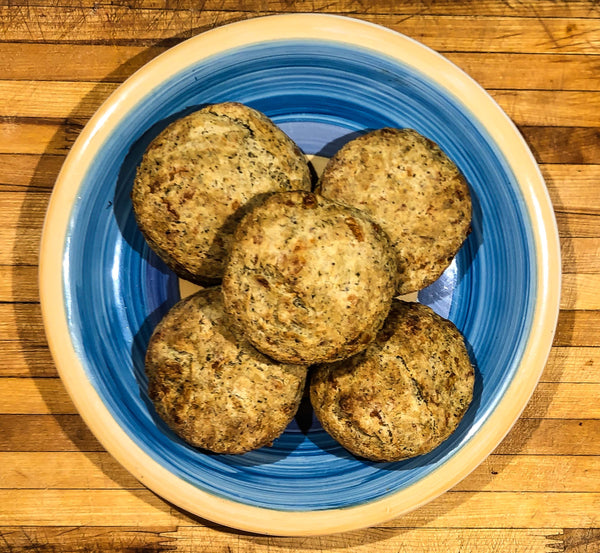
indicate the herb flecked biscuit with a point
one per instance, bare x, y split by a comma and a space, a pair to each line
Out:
402, 396
211, 386
198, 177
413, 190
309, 279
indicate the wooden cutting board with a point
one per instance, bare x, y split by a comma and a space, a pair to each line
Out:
60, 490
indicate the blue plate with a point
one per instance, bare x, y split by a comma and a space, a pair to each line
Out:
323, 80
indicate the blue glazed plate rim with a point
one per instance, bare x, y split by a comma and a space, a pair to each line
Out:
353, 33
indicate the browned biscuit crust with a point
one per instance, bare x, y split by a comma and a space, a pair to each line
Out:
309, 279
413, 190
211, 386
199, 176
404, 395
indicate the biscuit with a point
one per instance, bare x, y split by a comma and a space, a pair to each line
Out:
410, 187
404, 395
211, 386
199, 176
309, 279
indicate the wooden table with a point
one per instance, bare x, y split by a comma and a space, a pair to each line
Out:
61, 491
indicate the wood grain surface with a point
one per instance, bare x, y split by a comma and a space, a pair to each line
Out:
60, 491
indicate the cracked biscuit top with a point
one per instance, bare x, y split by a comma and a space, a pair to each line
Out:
199, 176
211, 386
308, 279
410, 187
404, 395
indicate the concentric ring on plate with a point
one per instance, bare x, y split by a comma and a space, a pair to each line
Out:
323, 79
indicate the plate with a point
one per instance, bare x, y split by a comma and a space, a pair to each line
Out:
324, 80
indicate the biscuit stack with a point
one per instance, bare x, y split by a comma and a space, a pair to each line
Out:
307, 281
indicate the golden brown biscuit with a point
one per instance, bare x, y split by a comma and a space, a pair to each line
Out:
413, 190
211, 386
309, 279
404, 395
198, 177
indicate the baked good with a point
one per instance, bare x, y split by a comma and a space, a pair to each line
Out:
199, 176
308, 279
412, 189
211, 386
404, 395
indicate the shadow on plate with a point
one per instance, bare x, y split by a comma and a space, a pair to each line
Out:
439, 294
329, 149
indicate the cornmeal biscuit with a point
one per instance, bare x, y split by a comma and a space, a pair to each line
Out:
404, 395
413, 190
309, 279
199, 176
211, 386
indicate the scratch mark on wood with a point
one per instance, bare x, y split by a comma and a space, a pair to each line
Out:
85, 539
547, 30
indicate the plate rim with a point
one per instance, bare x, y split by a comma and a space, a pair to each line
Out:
354, 33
